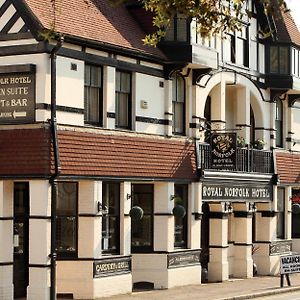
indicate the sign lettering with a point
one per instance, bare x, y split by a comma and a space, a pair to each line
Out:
17, 98
235, 191
112, 267
289, 264
223, 147
183, 259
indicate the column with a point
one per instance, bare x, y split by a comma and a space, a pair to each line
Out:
39, 240
218, 243
218, 104
243, 263
243, 112
195, 215
125, 206
6, 239
265, 233
163, 217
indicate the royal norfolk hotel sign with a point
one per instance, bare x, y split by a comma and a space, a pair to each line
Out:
17, 94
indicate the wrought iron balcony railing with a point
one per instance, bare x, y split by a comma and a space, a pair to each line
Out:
247, 159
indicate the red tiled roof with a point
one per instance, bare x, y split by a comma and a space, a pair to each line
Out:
288, 167
286, 27
25, 152
88, 154
96, 20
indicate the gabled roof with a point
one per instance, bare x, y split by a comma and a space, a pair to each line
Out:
286, 28
96, 21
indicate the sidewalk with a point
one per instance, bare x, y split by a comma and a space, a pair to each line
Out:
230, 290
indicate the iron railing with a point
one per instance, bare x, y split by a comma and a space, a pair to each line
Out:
247, 159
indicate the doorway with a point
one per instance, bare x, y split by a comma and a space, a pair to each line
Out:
21, 239
205, 241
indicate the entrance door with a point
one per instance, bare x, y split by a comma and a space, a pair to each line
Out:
21, 238
205, 241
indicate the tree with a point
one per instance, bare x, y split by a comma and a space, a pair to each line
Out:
211, 16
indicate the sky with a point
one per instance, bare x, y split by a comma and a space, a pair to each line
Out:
294, 6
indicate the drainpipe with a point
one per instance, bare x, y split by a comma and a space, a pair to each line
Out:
53, 179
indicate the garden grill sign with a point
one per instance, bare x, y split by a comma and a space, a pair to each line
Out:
223, 151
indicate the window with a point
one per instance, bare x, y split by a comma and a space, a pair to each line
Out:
295, 213
93, 101
111, 217
181, 198
232, 48
178, 30
279, 123
178, 104
142, 230
280, 213
123, 100
252, 126
67, 219
279, 60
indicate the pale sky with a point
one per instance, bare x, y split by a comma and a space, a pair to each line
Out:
294, 6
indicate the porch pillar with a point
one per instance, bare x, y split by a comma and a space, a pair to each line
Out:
218, 243
39, 240
243, 263
218, 104
243, 112
265, 233
6, 238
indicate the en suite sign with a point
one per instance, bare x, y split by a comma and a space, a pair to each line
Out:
17, 94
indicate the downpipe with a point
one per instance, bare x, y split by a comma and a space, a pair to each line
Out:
57, 170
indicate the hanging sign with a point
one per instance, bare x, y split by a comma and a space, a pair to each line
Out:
223, 151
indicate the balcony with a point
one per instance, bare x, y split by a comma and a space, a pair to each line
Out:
248, 160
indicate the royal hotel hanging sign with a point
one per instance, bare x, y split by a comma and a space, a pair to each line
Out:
17, 94
223, 151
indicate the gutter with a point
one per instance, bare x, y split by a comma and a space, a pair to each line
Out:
57, 165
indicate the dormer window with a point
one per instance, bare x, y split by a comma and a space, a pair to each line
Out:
178, 30
279, 60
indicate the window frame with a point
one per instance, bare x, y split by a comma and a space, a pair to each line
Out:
172, 34
68, 254
278, 58
279, 123
175, 76
87, 121
150, 248
116, 215
185, 188
280, 215
129, 101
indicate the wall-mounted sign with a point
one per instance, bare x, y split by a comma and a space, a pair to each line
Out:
280, 247
185, 258
17, 94
223, 151
234, 191
111, 267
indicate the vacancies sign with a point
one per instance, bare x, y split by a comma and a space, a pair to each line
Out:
17, 95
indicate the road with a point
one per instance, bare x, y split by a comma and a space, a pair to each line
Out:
285, 296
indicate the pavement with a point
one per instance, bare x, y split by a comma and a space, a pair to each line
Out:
233, 289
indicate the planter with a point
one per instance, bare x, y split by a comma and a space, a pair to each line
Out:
136, 213
179, 211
